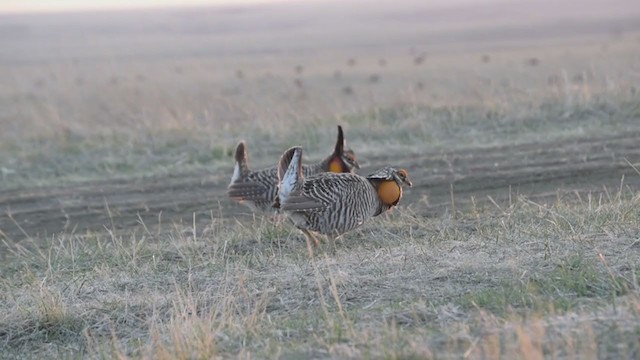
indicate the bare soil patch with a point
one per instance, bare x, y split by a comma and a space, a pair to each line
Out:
536, 170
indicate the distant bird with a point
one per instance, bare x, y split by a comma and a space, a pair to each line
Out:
258, 189
332, 204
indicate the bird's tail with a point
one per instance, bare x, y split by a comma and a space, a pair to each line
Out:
289, 173
241, 168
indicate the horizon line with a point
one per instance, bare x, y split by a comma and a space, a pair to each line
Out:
38, 10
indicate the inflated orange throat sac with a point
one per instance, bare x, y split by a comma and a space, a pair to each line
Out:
336, 166
389, 192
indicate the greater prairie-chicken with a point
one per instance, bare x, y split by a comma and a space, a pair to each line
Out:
258, 189
333, 204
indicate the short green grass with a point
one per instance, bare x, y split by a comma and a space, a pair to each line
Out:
401, 129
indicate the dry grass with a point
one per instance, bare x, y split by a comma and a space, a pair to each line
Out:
124, 105
527, 281
518, 279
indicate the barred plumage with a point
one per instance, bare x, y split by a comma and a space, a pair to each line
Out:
332, 204
258, 189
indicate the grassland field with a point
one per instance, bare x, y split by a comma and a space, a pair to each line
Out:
520, 129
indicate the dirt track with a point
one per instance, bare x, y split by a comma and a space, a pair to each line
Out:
537, 170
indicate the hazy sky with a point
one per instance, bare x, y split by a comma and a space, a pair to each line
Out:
13, 6
20, 6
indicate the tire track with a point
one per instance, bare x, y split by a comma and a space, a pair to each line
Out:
538, 170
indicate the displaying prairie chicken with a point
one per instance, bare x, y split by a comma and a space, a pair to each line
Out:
333, 204
258, 189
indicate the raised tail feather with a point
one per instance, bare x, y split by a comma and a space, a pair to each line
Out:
239, 189
289, 174
241, 168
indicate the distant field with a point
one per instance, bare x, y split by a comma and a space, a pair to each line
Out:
519, 127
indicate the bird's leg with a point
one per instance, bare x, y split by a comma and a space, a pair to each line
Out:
308, 235
277, 217
332, 242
